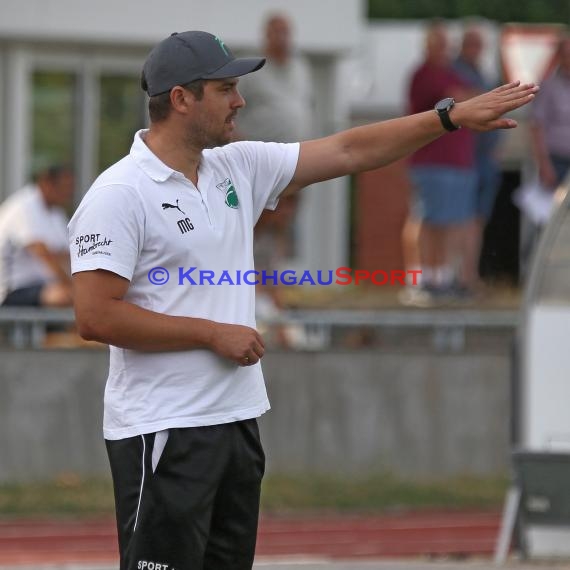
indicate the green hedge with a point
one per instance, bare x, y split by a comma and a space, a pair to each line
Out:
535, 11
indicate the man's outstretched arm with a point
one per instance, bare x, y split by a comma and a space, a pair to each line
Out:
378, 144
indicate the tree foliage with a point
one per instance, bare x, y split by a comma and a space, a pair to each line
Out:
531, 11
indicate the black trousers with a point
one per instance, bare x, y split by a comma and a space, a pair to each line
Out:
194, 508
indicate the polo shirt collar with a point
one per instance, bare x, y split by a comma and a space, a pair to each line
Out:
150, 164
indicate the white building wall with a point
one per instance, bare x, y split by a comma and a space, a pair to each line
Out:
34, 30
330, 26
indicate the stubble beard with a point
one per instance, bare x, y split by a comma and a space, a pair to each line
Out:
200, 137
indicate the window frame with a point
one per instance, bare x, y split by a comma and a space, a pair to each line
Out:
88, 65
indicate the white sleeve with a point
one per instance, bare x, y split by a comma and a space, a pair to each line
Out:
270, 167
107, 231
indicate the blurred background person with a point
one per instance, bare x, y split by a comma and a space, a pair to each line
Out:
278, 108
468, 67
444, 179
550, 138
550, 121
34, 258
272, 249
279, 101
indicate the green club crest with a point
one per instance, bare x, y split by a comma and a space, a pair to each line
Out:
228, 189
222, 44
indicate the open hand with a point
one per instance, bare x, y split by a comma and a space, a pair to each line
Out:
485, 112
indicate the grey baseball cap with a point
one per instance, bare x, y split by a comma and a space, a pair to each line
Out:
186, 56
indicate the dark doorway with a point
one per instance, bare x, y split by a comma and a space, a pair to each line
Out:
500, 252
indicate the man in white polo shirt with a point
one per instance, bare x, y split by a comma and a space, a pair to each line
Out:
34, 255
185, 384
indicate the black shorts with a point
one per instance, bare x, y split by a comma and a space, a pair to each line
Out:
198, 508
24, 297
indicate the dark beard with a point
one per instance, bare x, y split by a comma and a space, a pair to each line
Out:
198, 138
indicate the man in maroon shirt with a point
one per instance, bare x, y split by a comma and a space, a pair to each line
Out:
444, 178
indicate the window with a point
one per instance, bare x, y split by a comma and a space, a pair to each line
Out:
121, 114
53, 113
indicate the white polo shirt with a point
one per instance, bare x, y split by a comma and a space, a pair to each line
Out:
140, 215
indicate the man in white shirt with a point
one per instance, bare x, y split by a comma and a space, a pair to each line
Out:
34, 252
161, 252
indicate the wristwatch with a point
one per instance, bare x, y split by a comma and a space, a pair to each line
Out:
442, 108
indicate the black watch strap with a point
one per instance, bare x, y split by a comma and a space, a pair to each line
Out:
442, 108
446, 121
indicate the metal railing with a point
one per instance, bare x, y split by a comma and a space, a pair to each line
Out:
26, 327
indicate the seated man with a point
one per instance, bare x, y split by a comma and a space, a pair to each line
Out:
34, 258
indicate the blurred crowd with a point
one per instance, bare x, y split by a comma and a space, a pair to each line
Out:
457, 177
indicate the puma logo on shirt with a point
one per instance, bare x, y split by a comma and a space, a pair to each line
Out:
166, 205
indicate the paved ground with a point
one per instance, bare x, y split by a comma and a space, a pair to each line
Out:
400, 565
308, 564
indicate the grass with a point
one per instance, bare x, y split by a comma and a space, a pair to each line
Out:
67, 495
380, 493
70, 495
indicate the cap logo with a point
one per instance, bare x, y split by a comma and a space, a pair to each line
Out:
222, 45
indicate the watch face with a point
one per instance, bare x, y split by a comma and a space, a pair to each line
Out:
445, 104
